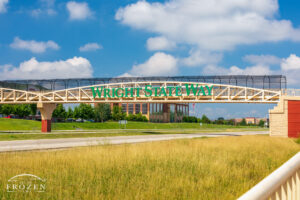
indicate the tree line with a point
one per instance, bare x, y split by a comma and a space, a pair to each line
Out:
204, 119
99, 113
19, 110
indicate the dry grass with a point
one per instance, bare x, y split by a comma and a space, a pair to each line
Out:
210, 168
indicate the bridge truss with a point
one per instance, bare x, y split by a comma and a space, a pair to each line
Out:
221, 93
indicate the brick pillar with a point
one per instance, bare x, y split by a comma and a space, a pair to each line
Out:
46, 125
293, 119
46, 110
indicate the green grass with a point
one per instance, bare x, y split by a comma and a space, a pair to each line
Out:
29, 136
103, 133
12, 129
211, 168
18, 124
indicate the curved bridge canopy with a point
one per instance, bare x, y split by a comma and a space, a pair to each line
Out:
145, 91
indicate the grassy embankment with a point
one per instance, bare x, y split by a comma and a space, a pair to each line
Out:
211, 168
19, 124
60, 130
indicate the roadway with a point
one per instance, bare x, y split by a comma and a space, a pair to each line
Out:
44, 144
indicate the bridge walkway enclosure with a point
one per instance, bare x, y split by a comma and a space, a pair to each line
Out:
181, 89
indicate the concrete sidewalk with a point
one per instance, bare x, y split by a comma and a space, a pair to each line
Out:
42, 144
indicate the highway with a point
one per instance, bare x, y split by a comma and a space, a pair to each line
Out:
44, 144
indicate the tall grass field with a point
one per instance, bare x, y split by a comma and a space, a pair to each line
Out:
207, 168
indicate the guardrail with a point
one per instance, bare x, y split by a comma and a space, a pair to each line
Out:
283, 183
291, 92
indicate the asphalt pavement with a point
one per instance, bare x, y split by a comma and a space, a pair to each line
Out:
44, 144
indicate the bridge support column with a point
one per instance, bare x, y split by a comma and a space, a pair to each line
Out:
285, 118
46, 110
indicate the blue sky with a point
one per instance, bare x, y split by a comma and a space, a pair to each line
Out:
73, 39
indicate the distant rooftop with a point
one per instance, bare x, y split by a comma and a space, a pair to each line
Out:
274, 82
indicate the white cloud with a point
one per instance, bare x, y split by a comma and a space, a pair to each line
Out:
159, 64
38, 12
234, 70
262, 59
78, 11
33, 46
76, 67
46, 9
90, 47
210, 25
291, 63
291, 68
3, 6
198, 58
160, 43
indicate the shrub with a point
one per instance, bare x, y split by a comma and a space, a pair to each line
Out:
137, 117
190, 119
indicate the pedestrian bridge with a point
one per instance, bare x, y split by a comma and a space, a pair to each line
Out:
284, 118
187, 89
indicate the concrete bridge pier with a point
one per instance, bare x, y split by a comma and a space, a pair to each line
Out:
46, 110
285, 117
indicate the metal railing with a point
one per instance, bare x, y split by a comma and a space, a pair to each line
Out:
283, 183
291, 92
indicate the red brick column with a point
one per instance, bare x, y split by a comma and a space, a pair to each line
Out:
293, 119
46, 125
46, 110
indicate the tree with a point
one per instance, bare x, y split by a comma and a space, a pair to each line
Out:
76, 113
85, 111
243, 122
33, 109
7, 109
21, 110
102, 112
261, 123
230, 122
59, 112
205, 119
117, 113
70, 113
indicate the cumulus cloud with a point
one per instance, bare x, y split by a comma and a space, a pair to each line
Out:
234, 70
90, 47
159, 64
78, 11
291, 68
39, 12
160, 43
3, 5
210, 25
291, 63
198, 58
33, 46
76, 67
46, 9
262, 59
